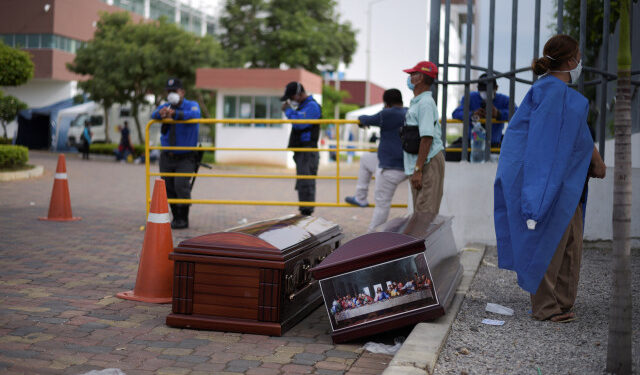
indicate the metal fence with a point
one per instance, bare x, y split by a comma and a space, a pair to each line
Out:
337, 177
603, 72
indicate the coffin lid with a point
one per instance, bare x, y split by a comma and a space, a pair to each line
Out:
273, 239
366, 250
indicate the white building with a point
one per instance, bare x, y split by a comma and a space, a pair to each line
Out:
254, 93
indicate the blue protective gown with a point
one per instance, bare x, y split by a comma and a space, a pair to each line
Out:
541, 174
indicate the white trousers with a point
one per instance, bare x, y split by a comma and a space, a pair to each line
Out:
387, 180
368, 166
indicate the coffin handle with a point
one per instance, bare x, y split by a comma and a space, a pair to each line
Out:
292, 296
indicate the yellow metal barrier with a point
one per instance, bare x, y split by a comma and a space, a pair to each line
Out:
337, 150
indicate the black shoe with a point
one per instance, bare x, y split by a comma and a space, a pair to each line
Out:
306, 211
179, 224
180, 218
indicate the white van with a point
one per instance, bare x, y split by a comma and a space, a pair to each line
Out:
76, 116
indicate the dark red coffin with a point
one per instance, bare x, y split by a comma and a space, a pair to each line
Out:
252, 279
415, 263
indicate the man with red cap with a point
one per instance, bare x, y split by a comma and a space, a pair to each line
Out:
422, 141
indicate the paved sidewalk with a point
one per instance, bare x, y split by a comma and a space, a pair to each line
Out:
58, 313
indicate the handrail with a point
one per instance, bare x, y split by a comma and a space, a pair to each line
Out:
337, 149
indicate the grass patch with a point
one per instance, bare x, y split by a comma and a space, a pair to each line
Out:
25, 167
209, 157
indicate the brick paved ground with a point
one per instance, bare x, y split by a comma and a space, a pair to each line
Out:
58, 313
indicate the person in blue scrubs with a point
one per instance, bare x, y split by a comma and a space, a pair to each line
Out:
540, 193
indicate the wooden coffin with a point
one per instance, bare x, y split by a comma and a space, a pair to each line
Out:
251, 279
415, 262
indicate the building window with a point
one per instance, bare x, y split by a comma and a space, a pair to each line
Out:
158, 8
267, 107
20, 41
42, 41
211, 29
33, 41
46, 41
7, 39
135, 6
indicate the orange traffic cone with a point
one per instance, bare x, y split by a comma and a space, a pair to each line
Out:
60, 205
154, 282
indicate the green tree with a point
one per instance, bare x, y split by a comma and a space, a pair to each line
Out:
17, 67
590, 56
244, 25
619, 348
595, 17
332, 97
299, 33
9, 108
128, 61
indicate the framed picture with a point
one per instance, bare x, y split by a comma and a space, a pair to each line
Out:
378, 292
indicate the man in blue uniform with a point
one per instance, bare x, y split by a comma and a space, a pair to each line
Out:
477, 105
179, 134
299, 106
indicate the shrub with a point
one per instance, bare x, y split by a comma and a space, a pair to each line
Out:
5, 141
13, 156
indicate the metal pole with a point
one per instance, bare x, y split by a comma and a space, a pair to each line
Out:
514, 34
467, 75
434, 40
367, 85
536, 36
445, 76
600, 133
490, 88
560, 16
583, 38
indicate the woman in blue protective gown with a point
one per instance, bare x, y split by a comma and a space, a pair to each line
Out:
540, 188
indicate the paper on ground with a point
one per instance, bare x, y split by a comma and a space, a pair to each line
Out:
375, 347
108, 371
492, 322
498, 309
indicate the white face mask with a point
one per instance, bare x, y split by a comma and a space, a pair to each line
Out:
173, 98
294, 104
483, 95
574, 73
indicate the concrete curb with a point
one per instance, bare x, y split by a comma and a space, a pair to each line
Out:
419, 353
36, 171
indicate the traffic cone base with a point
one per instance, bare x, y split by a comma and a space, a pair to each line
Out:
154, 282
76, 218
60, 205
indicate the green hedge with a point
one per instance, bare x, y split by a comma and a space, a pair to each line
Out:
5, 141
13, 156
109, 148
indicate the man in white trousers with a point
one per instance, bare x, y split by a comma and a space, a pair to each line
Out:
388, 163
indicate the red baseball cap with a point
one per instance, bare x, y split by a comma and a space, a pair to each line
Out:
426, 67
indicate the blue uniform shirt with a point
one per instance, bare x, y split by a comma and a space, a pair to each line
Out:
186, 134
390, 120
308, 109
500, 102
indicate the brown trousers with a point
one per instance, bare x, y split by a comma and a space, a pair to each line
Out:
428, 198
559, 287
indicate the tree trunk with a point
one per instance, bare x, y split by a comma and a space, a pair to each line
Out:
134, 112
205, 114
106, 108
619, 352
4, 127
